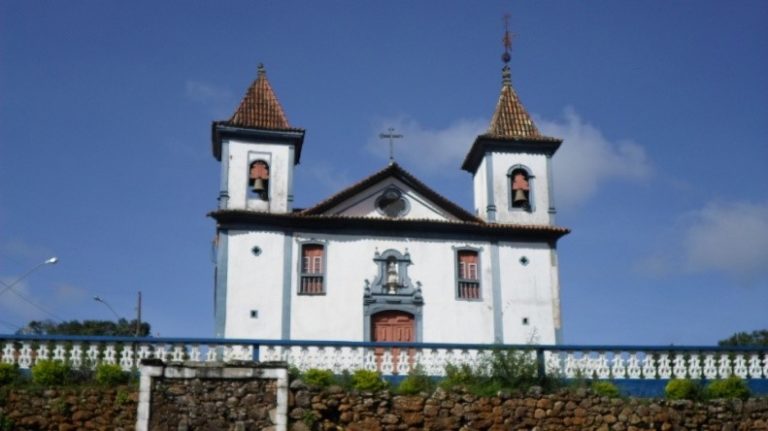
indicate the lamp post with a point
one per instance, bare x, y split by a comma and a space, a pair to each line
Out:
98, 299
50, 261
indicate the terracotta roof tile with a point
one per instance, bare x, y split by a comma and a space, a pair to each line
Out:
510, 119
392, 226
260, 108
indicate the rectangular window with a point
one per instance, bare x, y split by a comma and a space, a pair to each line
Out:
311, 279
468, 284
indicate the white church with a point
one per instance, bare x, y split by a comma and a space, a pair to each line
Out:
387, 258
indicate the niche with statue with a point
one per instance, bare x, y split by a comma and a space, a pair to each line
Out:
392, 283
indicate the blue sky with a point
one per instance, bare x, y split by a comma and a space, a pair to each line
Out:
105, 159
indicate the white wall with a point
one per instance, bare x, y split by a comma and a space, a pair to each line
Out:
241, 154
537, 163
501, 163
255, 282
364, 204
527, 291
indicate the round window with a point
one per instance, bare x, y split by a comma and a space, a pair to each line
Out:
391, 203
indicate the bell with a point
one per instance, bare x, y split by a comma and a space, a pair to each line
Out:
258, 185
520, 198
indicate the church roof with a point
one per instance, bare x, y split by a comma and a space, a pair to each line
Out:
511, 128
511, 120
258, 115
260, 108
392, 170
390, 227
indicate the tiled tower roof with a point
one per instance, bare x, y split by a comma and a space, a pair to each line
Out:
511, 120
260, 108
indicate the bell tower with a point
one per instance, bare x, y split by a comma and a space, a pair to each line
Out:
511, 163
257, 149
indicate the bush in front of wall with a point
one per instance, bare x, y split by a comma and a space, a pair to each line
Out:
605, 389
366, 380
317, 378
416, 382
732, 387
111, 375
683, 389
9, 373
49, 373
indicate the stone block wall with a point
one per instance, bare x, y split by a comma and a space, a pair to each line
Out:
335, 409
68, 409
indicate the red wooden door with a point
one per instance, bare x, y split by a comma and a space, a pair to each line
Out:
392, 326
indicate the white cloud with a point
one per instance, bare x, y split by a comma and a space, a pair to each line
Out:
432, 150
731, 238
587, 159
219, 101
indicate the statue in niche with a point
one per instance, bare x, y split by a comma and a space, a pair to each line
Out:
393, 279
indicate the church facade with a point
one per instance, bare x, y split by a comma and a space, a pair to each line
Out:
388, 258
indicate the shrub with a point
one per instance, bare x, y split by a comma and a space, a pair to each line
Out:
513, 369
606, 389
111, 375
9, 373
318, 378
48, 372
462, 375
416, 382
683, 389
365, 380
732, 387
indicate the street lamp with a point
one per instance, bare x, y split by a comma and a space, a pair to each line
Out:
50, 261
98, 299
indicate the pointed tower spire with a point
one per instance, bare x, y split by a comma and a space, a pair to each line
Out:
510, 119
258, 118
260, 108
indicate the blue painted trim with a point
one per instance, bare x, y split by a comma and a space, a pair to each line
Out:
220, 287
336, 343
491, 204
289, 188
285, 327
498, 322
531, 188
551, 191
224, 185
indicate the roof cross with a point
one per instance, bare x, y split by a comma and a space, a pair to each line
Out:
392, 136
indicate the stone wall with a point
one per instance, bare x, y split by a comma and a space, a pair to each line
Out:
336, 409
212, 404
65, 409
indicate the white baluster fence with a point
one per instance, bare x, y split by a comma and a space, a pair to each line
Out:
585, 362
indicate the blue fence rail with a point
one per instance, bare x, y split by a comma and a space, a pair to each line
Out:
567, 361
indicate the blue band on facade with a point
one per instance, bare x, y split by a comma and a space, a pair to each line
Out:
285, 327
220, 295
491, 209
498, 323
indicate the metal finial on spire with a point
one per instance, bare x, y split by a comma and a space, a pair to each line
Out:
391, 135
506, 75
261, 70
507, 41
